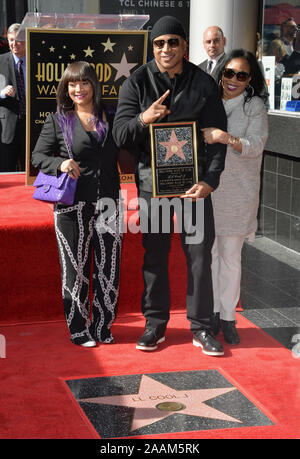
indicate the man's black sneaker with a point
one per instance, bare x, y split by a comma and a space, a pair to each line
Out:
149, 340
206, 340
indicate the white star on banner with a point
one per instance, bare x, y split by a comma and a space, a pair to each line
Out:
123, 69
89, 51
108, 45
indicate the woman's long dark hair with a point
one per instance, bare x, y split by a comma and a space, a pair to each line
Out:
257, 81
78, 71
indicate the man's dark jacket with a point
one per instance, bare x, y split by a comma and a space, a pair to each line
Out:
193, 97
9, 106
292, 64
216, 71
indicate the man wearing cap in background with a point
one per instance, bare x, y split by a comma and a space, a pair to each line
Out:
171, 89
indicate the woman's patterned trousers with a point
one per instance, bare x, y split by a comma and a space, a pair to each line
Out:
89, 242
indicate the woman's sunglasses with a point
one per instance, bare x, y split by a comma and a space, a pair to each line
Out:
172, 43
240, 76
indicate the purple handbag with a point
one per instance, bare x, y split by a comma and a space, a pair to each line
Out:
55, 189
50, 188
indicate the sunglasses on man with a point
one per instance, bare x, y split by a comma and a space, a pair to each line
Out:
240, 76
172, 43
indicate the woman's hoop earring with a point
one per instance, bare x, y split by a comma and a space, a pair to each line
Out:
250, 90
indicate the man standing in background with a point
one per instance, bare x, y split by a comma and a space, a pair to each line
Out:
292, 64
288, 34
214, 43
13, 104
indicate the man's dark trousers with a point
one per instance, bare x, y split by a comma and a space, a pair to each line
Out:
156, 295
12, 155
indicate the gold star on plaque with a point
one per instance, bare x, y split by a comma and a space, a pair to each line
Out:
72, 56
89, 51
51, 49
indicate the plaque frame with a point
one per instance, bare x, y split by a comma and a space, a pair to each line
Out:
184, 130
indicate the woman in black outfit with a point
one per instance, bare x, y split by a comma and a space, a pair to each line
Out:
89, 230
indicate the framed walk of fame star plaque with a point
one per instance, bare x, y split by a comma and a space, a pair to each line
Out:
174, 158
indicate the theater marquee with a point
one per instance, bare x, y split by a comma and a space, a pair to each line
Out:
113, 54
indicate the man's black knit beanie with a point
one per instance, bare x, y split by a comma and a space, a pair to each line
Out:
167, 25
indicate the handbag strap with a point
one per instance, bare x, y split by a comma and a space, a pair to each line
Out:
68, 146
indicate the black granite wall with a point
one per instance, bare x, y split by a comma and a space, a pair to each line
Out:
279, 217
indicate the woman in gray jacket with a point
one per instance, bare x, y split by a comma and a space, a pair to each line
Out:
236, 200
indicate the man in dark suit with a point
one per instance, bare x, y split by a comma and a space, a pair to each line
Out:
292, 64
288, 31
12, 104
214, 43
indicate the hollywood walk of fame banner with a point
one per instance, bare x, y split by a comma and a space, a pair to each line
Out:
115, 54
174, 158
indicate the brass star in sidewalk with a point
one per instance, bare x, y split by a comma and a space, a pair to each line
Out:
174, 147
156, 401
